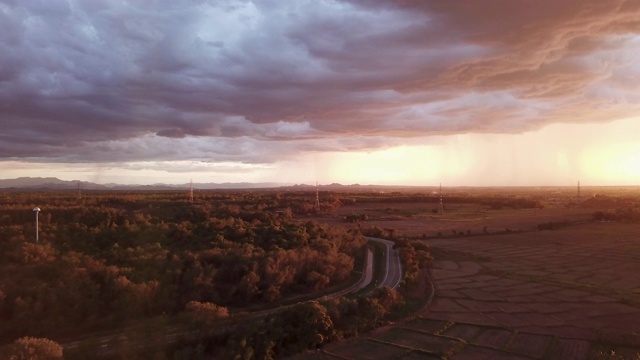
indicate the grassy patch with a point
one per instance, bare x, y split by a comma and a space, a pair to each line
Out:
446, 254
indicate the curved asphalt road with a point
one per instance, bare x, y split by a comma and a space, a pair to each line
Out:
393, 268
367, 276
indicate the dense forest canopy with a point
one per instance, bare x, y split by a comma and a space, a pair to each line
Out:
114, 257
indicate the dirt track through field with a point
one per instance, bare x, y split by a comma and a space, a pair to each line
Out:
565, 294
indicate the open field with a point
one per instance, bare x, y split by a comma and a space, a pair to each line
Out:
473, 211
570, 291
418, 220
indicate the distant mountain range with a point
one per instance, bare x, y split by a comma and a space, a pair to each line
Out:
52, 183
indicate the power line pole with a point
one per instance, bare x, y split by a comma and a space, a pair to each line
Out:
36, 210
317, 196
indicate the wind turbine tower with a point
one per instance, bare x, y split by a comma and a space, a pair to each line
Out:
191, 190
36, 210
317, 196
441, 209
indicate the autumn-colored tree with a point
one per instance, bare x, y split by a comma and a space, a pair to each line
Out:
306, 326
205, 312
31, 348
120, 257
31, 253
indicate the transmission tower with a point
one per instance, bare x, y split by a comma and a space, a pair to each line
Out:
578, 198
191, 190
441, 209
317, 196
79, 192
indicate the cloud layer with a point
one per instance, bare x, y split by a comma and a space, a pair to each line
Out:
243, 81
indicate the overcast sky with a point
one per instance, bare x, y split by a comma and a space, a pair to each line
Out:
465, 92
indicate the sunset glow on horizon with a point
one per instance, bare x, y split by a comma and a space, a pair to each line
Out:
329, 91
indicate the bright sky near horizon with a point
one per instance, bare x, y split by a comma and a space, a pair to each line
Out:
467, 92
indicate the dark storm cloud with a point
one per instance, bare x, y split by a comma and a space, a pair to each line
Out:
224, 80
